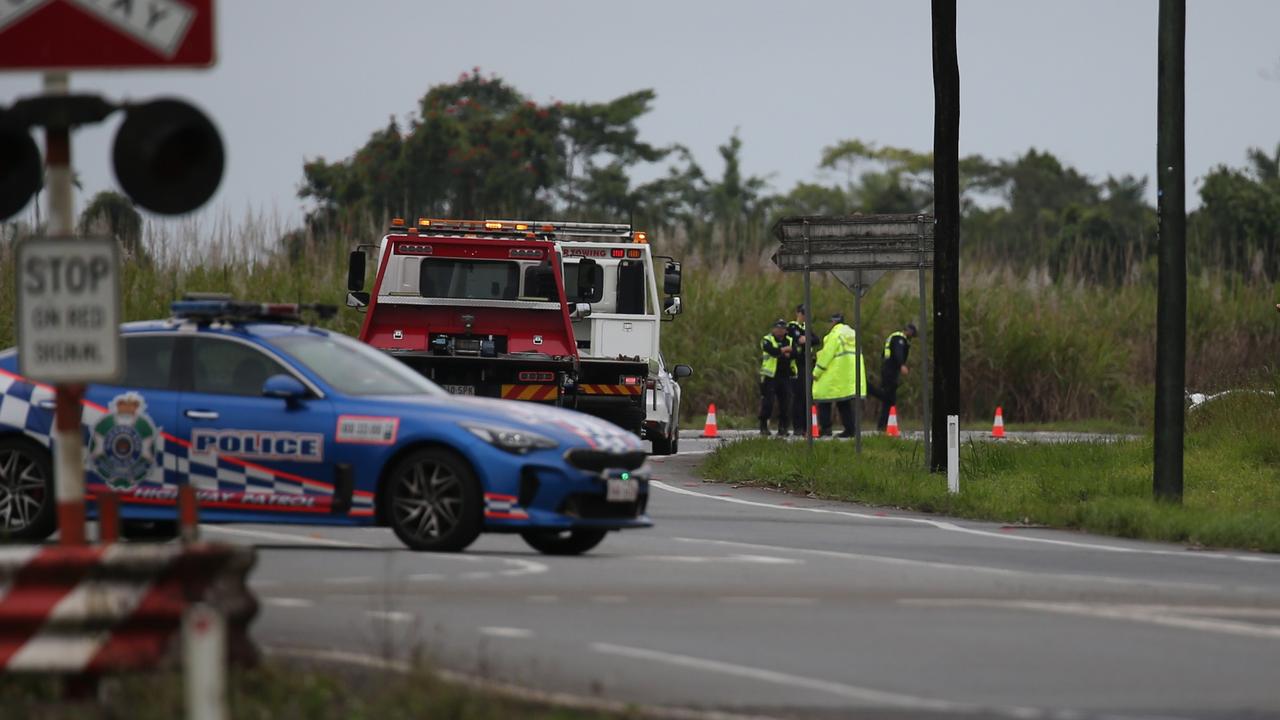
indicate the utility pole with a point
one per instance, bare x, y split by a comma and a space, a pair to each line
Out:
1171, 293
946, 208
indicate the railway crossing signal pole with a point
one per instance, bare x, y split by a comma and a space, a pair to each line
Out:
946, 188
1171, 293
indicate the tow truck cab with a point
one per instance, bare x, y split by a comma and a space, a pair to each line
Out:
475, 306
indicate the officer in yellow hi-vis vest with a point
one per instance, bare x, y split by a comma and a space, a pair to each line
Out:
839, 376
776, 369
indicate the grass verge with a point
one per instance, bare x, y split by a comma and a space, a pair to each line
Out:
1231, 488
282, 691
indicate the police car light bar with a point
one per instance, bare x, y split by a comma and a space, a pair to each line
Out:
205, 309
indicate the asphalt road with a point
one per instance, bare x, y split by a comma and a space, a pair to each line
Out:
766, 604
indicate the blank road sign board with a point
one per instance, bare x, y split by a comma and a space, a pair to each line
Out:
855, 242
98, 34
69, 309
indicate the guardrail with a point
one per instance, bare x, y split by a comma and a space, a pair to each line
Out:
88, 611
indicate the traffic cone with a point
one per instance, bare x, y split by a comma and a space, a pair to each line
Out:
813, 425
709, 430
891, 430
997, 428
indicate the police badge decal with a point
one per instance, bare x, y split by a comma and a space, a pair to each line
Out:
125, 443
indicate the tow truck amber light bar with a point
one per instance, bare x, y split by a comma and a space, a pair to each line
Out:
530, 376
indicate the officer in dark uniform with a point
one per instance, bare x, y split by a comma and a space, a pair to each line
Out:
896, 349
801, 341
776, 371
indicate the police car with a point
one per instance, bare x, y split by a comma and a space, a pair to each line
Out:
275, 421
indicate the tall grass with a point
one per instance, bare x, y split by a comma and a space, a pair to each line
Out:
1046, 352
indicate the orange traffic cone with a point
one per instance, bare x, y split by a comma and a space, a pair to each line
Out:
997, 428
709, 430
813, 424
891, 430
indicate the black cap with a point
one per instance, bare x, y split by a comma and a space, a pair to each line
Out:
780, 323
911, 328
837, 317
800, 309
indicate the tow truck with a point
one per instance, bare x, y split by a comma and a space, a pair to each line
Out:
558, 312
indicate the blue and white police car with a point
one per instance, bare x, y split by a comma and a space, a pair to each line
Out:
275, 421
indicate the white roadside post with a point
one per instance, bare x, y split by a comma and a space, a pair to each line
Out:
953, 453
204, 657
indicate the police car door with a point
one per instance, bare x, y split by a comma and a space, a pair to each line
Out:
129, 424
250, 454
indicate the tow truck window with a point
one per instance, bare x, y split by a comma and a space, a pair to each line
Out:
469, 279
352, 367
631, 287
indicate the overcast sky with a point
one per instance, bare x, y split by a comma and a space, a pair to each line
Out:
297, 80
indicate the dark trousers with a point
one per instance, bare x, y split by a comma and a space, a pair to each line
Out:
771, 389
799, 413
887, 394
845, 407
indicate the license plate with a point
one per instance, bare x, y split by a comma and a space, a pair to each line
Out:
460, 389
620, 490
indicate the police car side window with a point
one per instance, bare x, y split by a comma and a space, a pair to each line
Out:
226, 367
148, 362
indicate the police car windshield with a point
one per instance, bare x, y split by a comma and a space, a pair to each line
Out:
353, 368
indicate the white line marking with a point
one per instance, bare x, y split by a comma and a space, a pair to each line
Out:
288, 537
850, 692
952, 527
698, 559
506, 632
523, 567
363, 580
1136, 613
545, 599
764, 600
390, 615
906, 562
286, 602
609, 599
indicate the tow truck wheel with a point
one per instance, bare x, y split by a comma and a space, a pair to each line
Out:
433, 501
663, 446
26, 490
563, 542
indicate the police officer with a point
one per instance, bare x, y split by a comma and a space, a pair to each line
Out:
776, 369
896, 348
839, 376
801, 341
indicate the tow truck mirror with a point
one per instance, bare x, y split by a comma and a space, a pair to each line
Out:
682, 371
357, 299
580, 311
355, 271
672, 305
587, 289
671, 279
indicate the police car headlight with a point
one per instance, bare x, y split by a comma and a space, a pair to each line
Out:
510, 439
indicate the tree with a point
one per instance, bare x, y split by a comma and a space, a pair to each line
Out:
110, 213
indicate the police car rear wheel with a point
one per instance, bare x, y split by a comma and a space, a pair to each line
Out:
433, 501
563, 542
26, 491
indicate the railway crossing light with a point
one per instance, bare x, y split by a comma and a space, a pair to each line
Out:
168, 156
20, 173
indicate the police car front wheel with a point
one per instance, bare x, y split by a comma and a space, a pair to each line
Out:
434, 501
26, 490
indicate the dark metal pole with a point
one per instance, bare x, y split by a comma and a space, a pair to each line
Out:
858, 390
946, 188
924, 365
808, 352
1171, 293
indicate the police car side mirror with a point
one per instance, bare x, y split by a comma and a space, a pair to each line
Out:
682, 371
284, 387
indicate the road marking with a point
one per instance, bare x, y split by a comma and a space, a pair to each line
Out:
268, 535
287, 602
544, 599
952, 527
426, 577
766, 600
390, 615
609, 599
363, 580
1164, 615
480, 575
506, 632
523, 567
933, 564
850, 692
696, 559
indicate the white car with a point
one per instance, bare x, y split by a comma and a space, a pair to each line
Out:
662, 408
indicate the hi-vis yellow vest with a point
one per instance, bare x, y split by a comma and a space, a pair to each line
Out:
769, 363
889, 341
840, 373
